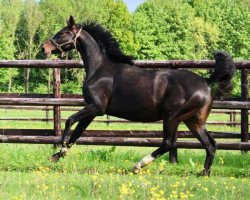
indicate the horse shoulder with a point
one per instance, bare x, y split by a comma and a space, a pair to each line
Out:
98, 92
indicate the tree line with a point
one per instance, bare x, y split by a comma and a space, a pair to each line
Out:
157, 30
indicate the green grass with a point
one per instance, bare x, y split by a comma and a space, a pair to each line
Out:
98, 172
91, 172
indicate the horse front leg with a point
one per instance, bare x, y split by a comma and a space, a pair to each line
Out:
84, 117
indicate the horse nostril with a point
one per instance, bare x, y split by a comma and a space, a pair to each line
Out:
46, 51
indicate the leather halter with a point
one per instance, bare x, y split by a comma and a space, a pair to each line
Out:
72, 41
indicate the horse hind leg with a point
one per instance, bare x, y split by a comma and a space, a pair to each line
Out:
196, 126
169, 133
209, 144
209, 156
190, 109
170, 125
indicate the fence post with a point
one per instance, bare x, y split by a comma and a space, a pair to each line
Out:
232, 116
57, 94
244, 112
47, 114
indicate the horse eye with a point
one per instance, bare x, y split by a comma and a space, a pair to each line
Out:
64, 32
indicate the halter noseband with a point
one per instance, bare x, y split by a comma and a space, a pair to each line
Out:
72, 41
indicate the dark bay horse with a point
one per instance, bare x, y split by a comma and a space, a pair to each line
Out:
116, 87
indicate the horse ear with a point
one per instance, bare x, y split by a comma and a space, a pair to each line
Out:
71, 22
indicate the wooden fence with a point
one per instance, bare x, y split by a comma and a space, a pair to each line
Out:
121, 137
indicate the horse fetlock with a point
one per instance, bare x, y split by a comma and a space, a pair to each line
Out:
167, 145
70, 145
204, 172
64, 151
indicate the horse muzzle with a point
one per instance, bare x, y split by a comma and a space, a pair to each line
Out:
47, 49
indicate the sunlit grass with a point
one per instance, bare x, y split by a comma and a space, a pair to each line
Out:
51, 185
91, 172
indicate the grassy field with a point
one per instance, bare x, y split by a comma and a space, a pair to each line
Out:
105, 173
98, 172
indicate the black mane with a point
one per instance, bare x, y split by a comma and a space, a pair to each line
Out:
106, 42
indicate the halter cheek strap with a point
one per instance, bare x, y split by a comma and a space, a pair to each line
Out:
72, 41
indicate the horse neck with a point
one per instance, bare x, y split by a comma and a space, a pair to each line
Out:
91, 53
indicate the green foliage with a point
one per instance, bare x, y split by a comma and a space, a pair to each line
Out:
233, 21
9, 18
28, 26
170, 30
10, 15
71, 87
119, 20
247, 2
102, 155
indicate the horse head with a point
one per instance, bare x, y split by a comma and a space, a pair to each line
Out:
64, 40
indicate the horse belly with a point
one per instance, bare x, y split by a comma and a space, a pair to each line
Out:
137, 116
135, 112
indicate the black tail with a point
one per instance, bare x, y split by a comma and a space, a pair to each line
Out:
223, 73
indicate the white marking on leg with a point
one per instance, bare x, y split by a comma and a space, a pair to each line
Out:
146, 160
64, 151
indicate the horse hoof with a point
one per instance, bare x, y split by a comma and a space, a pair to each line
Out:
136, 170
55, 157
204, 173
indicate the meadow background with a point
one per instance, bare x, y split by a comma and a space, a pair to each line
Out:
156, 30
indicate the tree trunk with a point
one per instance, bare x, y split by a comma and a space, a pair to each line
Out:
10, 84
27, 78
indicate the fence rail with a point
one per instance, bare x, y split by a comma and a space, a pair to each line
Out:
141, 142
81, 102
115, 133
122, 138
172, 64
